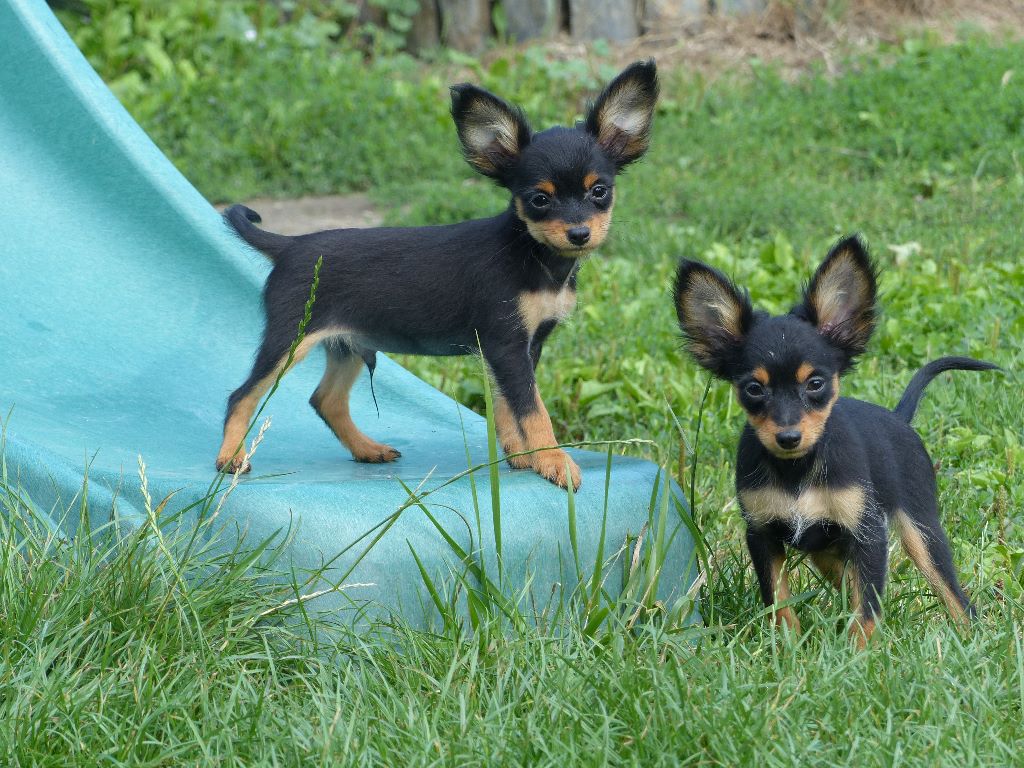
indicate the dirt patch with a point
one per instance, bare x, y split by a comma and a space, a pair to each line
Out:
312, 214
794, 41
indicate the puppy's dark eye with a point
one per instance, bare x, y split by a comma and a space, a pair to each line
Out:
815, 384
754, 390
599, 192
540, 201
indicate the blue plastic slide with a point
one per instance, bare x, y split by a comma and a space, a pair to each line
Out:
128, 312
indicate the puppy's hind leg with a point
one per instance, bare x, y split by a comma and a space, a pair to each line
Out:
839, 572
925, 543
330, 401
270, 362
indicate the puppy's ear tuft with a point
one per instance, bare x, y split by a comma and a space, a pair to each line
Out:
622, 116
492, 131
714, 316
840, 299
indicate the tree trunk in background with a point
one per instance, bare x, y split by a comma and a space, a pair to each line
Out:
465, 24
426, 28
661, 13
808, 17
370, 14
740, 7
528, 19
614, 20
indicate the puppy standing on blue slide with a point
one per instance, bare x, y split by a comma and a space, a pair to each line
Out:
822, 473
507, 280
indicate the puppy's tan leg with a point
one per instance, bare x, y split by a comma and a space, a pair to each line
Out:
780, 582
553, 464
231, 456
843, 572
868, 574
244, 400
839, 573
509, 435
861, 631
923, 553
330, 401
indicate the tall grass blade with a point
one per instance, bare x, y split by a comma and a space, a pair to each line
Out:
596, 580
573, 533
428, 582
492, 458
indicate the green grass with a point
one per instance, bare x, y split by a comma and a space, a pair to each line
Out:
107, 658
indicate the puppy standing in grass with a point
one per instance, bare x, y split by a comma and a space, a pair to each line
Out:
506, 280
824, 474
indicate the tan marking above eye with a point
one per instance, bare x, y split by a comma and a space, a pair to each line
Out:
547, 187
590, 180
760, 375
803, 373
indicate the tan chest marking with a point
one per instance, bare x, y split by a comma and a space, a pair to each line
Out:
537, 307
814, 505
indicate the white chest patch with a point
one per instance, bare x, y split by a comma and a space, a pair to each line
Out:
541, 306
815, 504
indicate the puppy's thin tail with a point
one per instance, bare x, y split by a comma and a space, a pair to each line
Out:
243, 220
912, 396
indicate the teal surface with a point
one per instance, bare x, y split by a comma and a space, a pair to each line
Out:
127, 315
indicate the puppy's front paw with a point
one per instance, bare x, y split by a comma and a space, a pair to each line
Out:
230, 465
518, 462
375, 453
556, 466
512, 442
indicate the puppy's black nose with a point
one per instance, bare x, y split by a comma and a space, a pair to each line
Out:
789, 439
578, 235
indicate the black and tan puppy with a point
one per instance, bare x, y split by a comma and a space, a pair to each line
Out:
506, 280
822, 473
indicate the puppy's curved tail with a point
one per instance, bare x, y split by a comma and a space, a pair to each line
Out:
912, 396
244, 220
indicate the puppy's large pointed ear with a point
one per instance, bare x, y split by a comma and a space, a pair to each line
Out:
714, 316
622, 116
840, 299
492, 131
